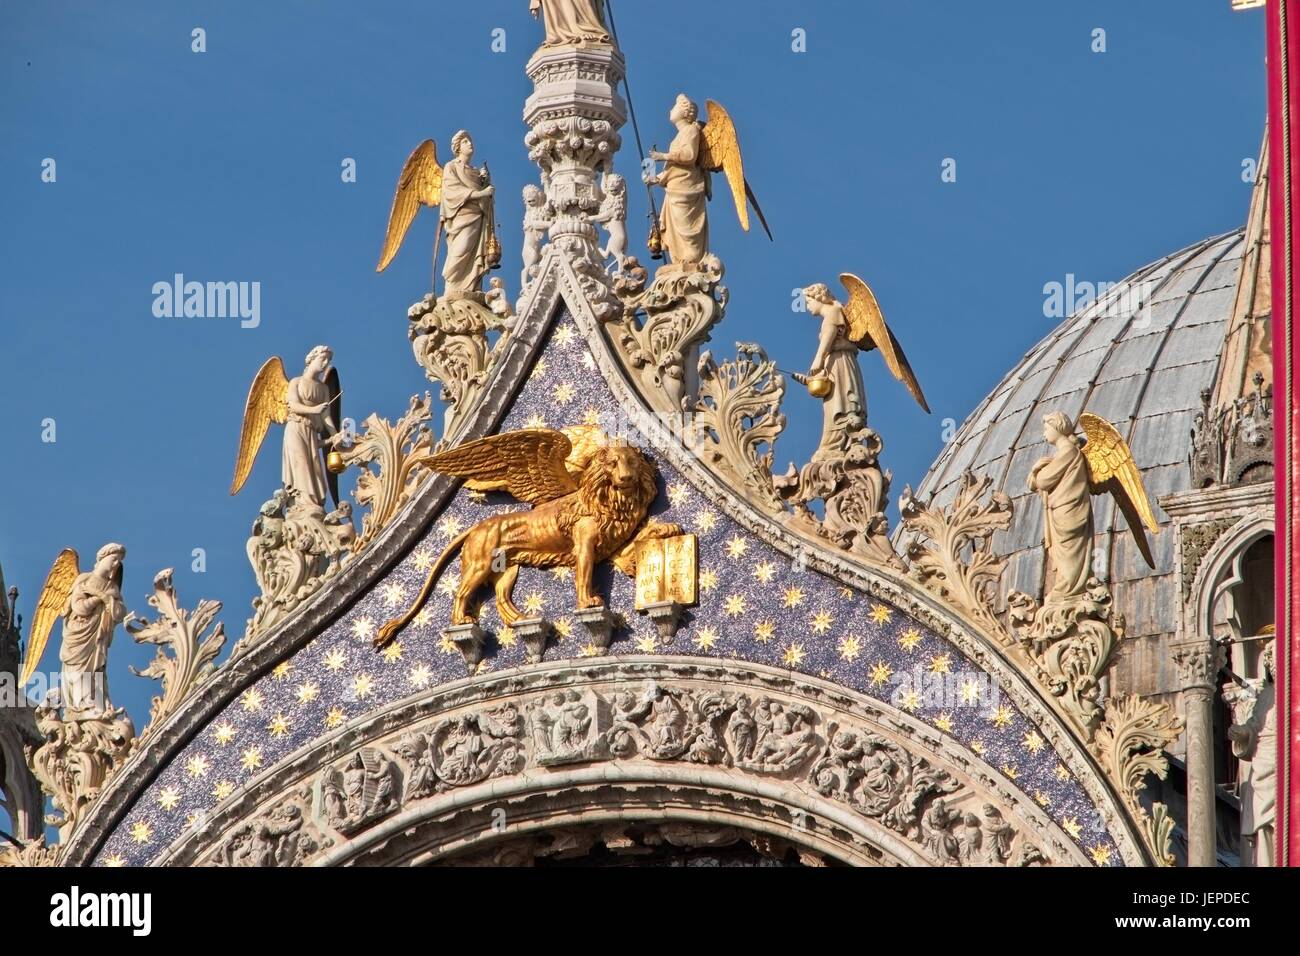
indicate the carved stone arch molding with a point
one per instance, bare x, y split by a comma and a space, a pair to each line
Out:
1220, 565
619, 741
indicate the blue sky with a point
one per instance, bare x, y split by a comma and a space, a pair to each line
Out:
225, 166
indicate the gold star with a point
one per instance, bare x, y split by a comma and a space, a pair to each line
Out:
448, 583
944, 722
363, 628
223, 789
850, 647
394, 594
335, 660
978, 747
362, 685
534, 603
1071, 826
881, 614
279, 726
168, 798
446, 644
252, 699
591, 416
539, 368
734, 605
334, 718
765, 571
764, 631
1061, 772
422, 617
970, 692
1001, 717
307, 692
793, 656
116, 861
477, 496
562, 573
706, 638
909, 639
941, 664
708, 579
420, 676
563, 393
821, 622
646, 645
281, 670
564, 334
736, 547
564, 627
197, 766
535, 421
1009, 769
793, 597
589, 650
423, 559
880, 673
910, 701
224, 732
677, 494
1033, 743
1100, 854
705, 520
392, 653
848, 593
140, 832
251, 758
1042, 798
506, 637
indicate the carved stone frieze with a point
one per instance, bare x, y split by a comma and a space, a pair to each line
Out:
281, 837
356, 793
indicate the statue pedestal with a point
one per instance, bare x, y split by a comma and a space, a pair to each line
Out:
469, 640
534, 632
599, 622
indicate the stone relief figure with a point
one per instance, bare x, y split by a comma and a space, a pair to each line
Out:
358, 792
1066, 482
698, 150
539, 216
1254, 739
613, 216
276, 839
571, 22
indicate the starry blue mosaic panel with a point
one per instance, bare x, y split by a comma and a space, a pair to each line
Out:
755, 605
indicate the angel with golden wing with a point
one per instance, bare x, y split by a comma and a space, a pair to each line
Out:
696, 152
310, 408
463, 195
90, 604
1067, 481
848, 328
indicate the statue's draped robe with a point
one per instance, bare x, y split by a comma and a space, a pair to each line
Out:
684, 222
465, 225
573, 22
93, 610
1068, 523
301, 464
1259, 789
844, 410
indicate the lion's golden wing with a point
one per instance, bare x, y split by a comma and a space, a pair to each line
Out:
53, 599
868, 329
721, 151
420, 184
528, 463
1111, 468
268, 401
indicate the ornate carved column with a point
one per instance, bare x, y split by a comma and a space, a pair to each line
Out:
1198, 665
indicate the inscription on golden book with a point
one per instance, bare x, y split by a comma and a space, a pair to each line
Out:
666, 570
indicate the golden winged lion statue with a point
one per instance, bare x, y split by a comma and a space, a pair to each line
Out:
1068, 479
590, 497
309, 407
698, 150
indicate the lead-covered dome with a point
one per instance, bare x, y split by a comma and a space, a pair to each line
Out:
1140, 356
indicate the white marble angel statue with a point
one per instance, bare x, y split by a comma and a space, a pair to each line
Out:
697, 151
848, 328
571, 22
309, 407
463, 194
1067, 480
90, 604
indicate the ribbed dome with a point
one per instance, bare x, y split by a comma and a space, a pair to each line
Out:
1139, 356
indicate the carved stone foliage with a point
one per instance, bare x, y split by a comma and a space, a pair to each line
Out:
77, 757
293, 550
660, 329
358, 792
1130, 743
35, 853
950, 550
281, 837
450, 341
192, 638
1197, 540
395, 450
737, 418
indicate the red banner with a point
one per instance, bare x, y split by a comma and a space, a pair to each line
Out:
1284, 160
